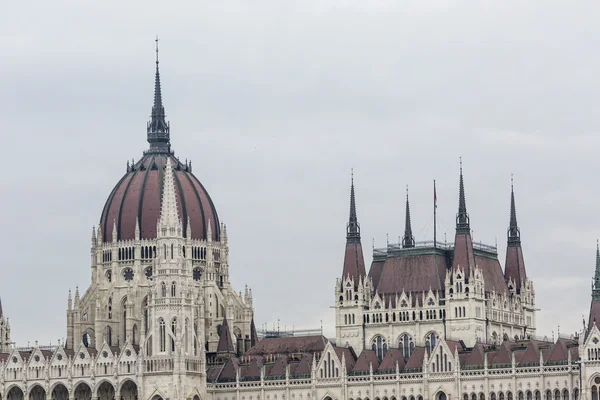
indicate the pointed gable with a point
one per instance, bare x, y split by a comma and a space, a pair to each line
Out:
277, 369
347, 353
474, 359
253, 334
502, 357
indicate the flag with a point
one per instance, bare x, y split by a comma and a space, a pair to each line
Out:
434, 196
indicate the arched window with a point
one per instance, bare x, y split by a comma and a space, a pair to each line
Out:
529, 395
173, 291
124, 319
407, 345
565, 394
163, 289
108, 335
430, 341
379, 346
161, 334
110, 308
538, 395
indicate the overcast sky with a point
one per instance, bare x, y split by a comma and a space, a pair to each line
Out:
275, 102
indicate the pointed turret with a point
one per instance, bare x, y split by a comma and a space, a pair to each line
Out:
463, 259
408, 240
158, 128
169, 217
225, 343
253, 334
515, 265
354, 262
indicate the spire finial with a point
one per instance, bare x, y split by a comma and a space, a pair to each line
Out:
353, 228
408, 240
462, 218
156, 40
514, 234
158, 128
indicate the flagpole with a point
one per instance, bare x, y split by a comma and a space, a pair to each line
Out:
434, 216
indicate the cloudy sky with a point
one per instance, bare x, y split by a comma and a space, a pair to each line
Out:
275, 102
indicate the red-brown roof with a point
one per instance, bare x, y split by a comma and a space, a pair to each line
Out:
392, 357
416, 359
515, 265
289, 345
463, 253
138, 195
354, 262
365, 360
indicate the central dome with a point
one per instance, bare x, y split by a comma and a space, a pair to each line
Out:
136, 199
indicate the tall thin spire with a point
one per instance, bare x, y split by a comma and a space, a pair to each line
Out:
462, 218
158, 128
353, 228
596, 282
514, 233
1, 308
169, 216
408, 240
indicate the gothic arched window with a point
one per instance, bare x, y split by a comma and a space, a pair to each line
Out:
379, 346
431, 341
407, 345
161, 334
173, 291
163, 289
197, 274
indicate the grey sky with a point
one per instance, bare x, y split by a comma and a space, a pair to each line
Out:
275, 101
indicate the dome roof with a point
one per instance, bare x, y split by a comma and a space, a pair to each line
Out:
138, 195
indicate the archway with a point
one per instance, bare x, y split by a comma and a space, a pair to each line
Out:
106, 391
441, 396
60, 392
129, 391
37, 393
83, 391
157, 397
196, 397
15, 393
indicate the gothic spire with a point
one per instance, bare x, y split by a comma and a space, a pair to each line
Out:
1, 308
158, 128
514, 234
353, 228
596, 283
462, 218
408, 240
253, 334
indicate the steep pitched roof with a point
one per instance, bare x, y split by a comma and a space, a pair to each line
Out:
365, 360
348, 354
392, 357
253, 334
415, 362
304, 366
225, 342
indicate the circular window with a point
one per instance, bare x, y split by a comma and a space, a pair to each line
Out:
148, 272
597, 380
15, 360
37, 358
104, 354
128, 274
81, 355
127, 352
59, 357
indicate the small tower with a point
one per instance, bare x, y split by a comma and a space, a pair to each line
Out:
354, 263
515, 266
464, 258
